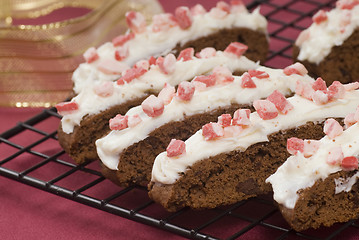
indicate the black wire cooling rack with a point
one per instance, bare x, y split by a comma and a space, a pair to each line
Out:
51, 170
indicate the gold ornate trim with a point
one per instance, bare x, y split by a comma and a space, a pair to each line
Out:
37, 61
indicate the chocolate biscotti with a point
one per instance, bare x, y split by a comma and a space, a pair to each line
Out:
225, 163
194, 28
329, 48
318, 184
86, 116
130, 150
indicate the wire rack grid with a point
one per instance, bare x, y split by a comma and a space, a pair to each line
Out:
47, 167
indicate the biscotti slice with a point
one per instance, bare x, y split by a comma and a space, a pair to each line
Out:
329, 48
131, 151
86, 116
318, 184
171, 33
224, 164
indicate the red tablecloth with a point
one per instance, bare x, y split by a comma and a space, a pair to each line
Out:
29, 213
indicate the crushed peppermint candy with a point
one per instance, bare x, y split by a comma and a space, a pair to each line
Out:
152, 106
119, 122
167, 64
186, 54
91, 55
332, 128
236, 49
184, 17
296, 68
212, 131
136, 21
185, 91
176, 148
65, 108
265, 109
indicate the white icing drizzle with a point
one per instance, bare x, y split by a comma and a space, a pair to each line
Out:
299, 172
110, 147
345, 184
166, 170
90, 103
147, 44
325, 35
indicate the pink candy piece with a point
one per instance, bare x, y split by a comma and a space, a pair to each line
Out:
167, 93
332, 128
236, 49
320, 16
349, 120
258, 74
198, 9
199, 86
319, 84
91, 55
304, 89
64, 108
185, 91
142, 64
223, 74
152, 60
237, 6
218, 13
119, 122
241, 117
152, 106
131, 74
265, 109
136, 21
247, 81
280, 102
105, 89
320, 97
225, 120
184, 17
351, 86
296, 68
346, 4
121, 53
122, 39
186, 54
295, 145
310, 147
112, 67
207, 52
163, 22
336, 90
212, 131
134, 120
209, 80
223, 6
167, 64
176, 148
335, 155
349, 163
